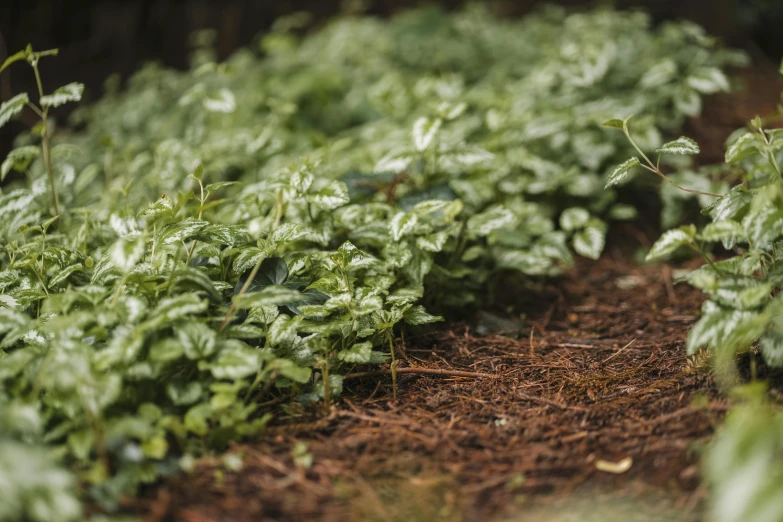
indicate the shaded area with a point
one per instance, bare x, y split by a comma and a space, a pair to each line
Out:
576, 392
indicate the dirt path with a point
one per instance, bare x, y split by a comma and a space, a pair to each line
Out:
603, 378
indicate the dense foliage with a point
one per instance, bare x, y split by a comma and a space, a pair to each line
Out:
254, 229
744, 309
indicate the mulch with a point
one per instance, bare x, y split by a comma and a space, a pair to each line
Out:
598, 376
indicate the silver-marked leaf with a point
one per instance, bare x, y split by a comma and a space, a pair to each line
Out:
620, 174
490, 220
180, 231
291, 370
708, 80
235, 361
764, 223
162, 207
13, 107
418, 315
359, 353
574, 218
19, 159
722, 231
724, 329
222, 101
394, 162
424, 132
402, 224
172, 308
670, 241
332, 196
270, 295
127, 252
742, 147
197, 339
682, 145
589, 242
67, 93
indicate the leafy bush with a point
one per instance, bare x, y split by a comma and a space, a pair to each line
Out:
743, 307
256, 228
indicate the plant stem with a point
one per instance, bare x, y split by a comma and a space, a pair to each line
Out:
656, 170
242, 291
45, 138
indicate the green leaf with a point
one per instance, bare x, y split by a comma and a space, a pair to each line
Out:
682, 146
223, 102
620, 173
589, 242
269, 295
615, 123
67, 93
722, 231
194, 279
708, 80
332, 196
296, 373
283, 328
418, 315
180, 231
486, 222
741, 292
424, 132
13, 107
574, 218
235, 361
198, 340
21, 55
670, 241
126, 253
764, 223
19, 159
743, 146
402, 224
359, 353
172, 308
162, 207
724, 329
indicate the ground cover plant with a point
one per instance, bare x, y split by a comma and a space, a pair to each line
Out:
743, 311
236, 237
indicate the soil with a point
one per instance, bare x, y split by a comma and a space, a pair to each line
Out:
540, 430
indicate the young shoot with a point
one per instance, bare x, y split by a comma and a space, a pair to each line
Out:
71, 92
681, 146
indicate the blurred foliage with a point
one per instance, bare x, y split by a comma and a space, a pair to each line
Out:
744, 465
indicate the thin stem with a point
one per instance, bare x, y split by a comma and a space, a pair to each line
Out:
707, 259
393, 366
654, 168
242, 291
45, 137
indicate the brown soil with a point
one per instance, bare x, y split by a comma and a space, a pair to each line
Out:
598, 375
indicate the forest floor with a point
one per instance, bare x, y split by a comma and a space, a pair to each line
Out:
587, 410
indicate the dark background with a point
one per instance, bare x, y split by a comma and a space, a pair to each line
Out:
100, 37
